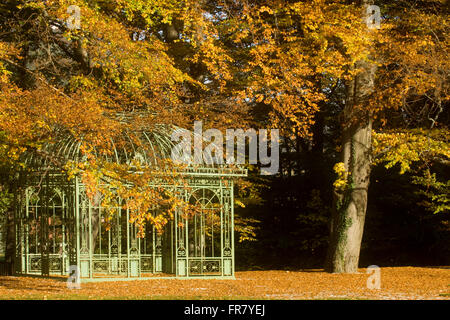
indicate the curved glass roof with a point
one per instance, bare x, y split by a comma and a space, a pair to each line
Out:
147, 148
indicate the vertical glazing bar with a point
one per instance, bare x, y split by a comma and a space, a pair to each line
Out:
100, 227
36, 220
63, 238
54, 226
212, 232
128, 225
27, 244
110, 267
90, 242
37, 239
221, 202
195, 235
154, 250
177, 244
232, 226
77, 221
118, 239
139, 244
202, 232
172, 247
187, 244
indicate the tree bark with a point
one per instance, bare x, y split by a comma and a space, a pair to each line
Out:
350, 204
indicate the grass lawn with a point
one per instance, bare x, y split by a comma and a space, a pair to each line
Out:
396, 283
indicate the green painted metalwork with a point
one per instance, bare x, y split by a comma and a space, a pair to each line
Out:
58, 226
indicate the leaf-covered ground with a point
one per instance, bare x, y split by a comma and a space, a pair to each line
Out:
396, 283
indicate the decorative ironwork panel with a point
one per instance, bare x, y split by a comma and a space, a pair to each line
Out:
101, 266
35, 264
147, 264
198, 267
55, 264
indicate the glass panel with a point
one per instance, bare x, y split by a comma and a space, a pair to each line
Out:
204, 229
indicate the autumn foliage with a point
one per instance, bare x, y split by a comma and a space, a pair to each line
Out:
275, 63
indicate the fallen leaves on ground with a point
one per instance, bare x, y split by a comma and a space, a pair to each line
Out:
396, 283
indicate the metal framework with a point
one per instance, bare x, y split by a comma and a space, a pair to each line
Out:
57, 226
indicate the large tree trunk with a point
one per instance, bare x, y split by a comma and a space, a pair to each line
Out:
349, 205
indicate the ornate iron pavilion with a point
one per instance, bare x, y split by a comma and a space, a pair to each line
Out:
59, 229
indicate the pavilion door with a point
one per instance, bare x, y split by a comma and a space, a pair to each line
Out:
203, 240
